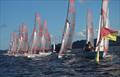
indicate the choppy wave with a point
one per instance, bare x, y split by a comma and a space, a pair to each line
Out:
72, 66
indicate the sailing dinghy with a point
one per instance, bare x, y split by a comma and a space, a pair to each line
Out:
19, 42
68, 30
88, 50
102, 43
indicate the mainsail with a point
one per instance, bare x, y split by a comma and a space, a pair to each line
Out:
102, 44
35, 40
68, 29
89, 29
45, 39
23, 39
13, 43
33, 44
106, 24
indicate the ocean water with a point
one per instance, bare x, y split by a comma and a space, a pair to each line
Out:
70, 66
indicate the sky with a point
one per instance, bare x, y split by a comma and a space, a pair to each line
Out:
15, 12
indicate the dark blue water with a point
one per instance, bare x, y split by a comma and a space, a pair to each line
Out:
71, 66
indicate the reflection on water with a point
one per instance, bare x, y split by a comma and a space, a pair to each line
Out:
71, 66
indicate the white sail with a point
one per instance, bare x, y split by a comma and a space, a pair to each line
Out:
13, 43
23, 39
102, 44
35, 43
54, 47
47, 37
65, 39
105, 23
68, 30
100, 41
71, 19
106, 42
43, 43
89, 29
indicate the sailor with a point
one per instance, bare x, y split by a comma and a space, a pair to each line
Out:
88, 47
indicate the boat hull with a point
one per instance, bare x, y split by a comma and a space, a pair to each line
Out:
42, 54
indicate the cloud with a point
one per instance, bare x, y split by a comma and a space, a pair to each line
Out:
80, 34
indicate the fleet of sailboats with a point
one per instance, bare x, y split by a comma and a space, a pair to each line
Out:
40, 42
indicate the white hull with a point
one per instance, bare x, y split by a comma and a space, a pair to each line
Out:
41, 54
67, 53
60, 56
